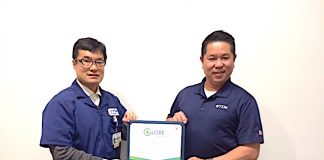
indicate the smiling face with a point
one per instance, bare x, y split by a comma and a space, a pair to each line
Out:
89, 76
218, 64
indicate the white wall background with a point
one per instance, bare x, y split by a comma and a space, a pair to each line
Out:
153, 52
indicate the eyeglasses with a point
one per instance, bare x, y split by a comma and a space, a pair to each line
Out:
88, 62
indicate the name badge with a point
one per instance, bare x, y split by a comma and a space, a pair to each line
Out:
116, 139
113, 112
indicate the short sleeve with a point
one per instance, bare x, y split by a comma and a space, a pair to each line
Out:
250, 126
58, 123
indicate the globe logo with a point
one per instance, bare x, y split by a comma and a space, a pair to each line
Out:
149, 132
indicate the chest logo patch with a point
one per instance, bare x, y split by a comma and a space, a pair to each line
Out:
221, 106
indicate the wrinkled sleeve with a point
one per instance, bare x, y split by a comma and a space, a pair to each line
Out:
58, 125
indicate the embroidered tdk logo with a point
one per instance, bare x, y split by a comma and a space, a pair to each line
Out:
221, 106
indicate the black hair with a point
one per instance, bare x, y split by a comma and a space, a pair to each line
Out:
216, 36
89, 44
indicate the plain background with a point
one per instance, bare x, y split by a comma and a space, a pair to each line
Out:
153, 52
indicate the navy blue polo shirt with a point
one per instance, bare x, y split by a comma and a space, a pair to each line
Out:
72, 119
219, 123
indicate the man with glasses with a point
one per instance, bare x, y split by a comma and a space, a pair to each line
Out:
83, 121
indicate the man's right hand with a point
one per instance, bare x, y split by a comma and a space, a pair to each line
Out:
128, 116
179, 117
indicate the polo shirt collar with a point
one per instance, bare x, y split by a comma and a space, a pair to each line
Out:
224, 91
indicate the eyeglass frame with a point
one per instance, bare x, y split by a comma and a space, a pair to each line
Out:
96, 62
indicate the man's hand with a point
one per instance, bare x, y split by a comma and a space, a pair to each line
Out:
128, 116
179, 117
